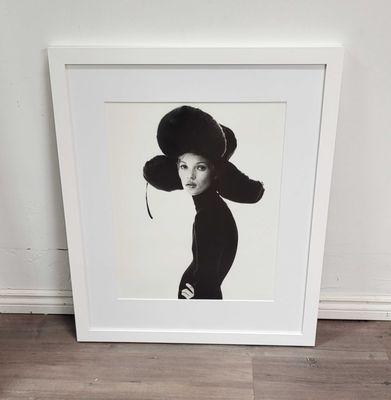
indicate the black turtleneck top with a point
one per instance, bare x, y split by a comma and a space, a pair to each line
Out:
215, 240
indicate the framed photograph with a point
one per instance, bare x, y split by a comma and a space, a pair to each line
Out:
195, 184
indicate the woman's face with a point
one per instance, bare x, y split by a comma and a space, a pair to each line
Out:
196, 173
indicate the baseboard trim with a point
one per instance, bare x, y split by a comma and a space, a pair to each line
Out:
61, 302
355, 307
36, 301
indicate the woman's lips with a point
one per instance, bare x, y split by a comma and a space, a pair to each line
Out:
191, 185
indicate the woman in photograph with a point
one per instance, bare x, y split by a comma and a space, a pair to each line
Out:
196, 151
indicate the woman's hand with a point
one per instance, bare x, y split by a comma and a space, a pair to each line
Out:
188, 293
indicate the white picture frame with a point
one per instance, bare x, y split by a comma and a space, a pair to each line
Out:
305, 79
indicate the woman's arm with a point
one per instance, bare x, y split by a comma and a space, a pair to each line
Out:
208, 253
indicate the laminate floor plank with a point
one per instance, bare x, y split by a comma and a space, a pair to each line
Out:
309, 352
352, 335
37, 328
347, 340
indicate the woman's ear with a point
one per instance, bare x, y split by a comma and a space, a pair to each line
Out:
215, 172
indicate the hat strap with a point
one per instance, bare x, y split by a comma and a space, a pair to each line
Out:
146, 201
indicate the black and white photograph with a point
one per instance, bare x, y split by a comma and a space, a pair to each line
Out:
196, 193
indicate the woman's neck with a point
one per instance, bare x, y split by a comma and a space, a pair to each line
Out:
206, 199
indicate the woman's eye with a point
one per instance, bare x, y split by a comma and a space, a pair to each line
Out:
183, 166
201, 168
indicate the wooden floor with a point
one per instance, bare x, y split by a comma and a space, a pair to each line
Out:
40, 359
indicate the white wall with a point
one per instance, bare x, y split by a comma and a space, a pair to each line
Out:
33, 257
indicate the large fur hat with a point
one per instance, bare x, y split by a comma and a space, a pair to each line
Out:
190, 130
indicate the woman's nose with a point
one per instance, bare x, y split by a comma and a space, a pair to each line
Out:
193, 174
